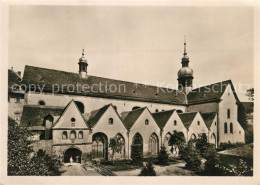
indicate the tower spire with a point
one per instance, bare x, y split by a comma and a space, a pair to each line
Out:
82, 52
185, 53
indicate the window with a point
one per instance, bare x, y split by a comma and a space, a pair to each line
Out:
17, 100
72, 135
228, 113
80, 134
215, 123
179, 111
162, 110
225, 128
64, 135
136, 107
198, 122
110, 121
115, 107
231, 128
156, 110
146, 122
17, 117
72, 119
239, 132
41, 102
175, 122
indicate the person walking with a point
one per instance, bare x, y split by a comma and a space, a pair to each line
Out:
71, 160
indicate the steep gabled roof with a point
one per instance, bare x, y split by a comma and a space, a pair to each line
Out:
162, 118
13, 78
96, 115
132, 116
212, 92
124, 90
208, 118
187, 118
33, 115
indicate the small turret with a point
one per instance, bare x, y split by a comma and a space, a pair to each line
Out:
83, 65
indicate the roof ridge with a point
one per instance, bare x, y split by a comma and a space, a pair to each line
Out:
229, 80
164, 111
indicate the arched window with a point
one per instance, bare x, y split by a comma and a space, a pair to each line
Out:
80, 135
64, 135
121, 141
110, 121
80, 106
198, 122
41, 102
156, 110
225, 128
146, 122
136, 107
231, 128
174, 122
228, 113
153, 144
73, 135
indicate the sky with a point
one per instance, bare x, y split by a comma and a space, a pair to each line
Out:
141, 44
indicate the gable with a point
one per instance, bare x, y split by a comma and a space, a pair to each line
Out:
132, 116
162, 118
209, 118
140, 122
212, 92
194, 123
187, 118
71, 118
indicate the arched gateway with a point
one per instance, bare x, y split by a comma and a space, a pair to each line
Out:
74, 153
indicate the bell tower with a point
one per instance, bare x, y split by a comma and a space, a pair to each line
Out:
185, 74
83, 65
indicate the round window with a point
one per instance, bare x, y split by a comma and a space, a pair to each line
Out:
73, 119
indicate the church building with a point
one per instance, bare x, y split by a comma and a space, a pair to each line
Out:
70, 114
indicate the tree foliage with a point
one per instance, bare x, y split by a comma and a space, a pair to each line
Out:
116, 145
19, 151
177, 139
163, 156
250, 93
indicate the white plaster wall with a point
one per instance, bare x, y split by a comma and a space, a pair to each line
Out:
170, 127
197, 129
229, 102
145, 131
93, 103
111, 130
213, 129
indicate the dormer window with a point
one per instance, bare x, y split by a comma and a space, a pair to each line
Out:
110, 121
146, 122
174, 122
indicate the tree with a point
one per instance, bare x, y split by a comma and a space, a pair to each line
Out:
177, 139
212, 161
202, 145
19, 149
191, 156
163, 156
250, 94
148, 169
116, 145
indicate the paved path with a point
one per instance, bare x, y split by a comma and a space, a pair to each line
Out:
171, 170
76, 169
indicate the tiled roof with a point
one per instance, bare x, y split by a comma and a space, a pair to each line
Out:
210, 92
132, 116
187, 118
243, 151
125, 90
162, 118
96, 115
34, 115
208, 118
13, 79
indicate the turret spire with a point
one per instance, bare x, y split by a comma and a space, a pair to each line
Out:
185, 53
83, 64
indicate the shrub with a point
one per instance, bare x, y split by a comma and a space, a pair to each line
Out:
242, 169
148, 170
163, 156
191, 156
137, 155
212, 161
202, 145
